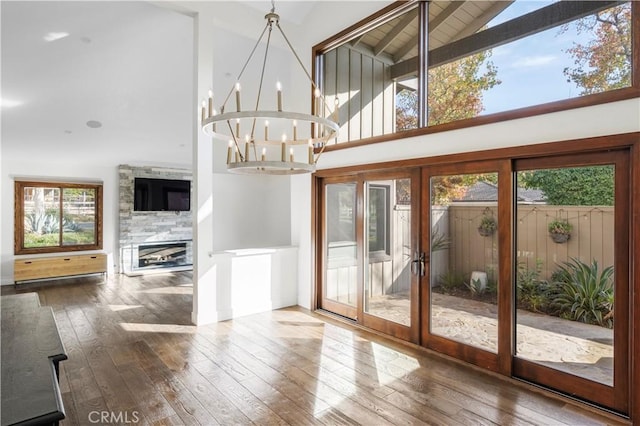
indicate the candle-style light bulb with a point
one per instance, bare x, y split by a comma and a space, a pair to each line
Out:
204, 108
295, 130
266, 130
291, 155
238, 96
279, 89
237, 127
229, 151
264, 153
311, 151
284, 137
210, 102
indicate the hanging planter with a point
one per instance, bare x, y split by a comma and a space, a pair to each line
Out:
488, 225
560, 231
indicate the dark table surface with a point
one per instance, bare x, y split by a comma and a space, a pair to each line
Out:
31, 350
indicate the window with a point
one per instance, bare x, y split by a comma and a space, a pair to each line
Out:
477, 55
57, 217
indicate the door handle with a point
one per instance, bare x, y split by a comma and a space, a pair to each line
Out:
418, 264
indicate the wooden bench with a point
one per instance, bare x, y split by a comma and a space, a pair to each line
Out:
31, 353
35, 268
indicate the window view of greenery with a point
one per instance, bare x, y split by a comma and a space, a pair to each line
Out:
565, 249
455, 92
589, 55
59, 216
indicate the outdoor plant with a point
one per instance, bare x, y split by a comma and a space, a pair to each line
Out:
560, 230
585, 293
475, 287
439, 241
450, 281
532, 292
488, 225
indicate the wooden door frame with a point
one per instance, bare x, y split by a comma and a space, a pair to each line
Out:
460, 350
320, 302
595, 392
411, 333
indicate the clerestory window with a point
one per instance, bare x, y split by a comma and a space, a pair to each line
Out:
427, 64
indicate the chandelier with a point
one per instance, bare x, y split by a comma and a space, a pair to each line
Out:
271, 141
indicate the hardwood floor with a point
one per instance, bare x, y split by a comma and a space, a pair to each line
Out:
135, 358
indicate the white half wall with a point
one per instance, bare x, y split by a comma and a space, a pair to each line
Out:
250, 281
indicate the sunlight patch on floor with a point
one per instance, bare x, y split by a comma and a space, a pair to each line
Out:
158, 328
118, 308
383, 356
326, 394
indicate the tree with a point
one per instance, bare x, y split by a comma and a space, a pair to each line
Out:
455, 92
579, 186
604, 63
448, 188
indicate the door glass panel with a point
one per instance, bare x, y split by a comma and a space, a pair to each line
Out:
464, 259
388, 262
341, 254
564, 279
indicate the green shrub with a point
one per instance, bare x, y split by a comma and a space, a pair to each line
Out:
532, 292
584, 293
450, 281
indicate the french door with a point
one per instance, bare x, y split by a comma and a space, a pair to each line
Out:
369, 244
466, 272
463, 259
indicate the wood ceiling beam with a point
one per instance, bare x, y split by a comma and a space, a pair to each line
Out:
395, 32
482, 20
539, 20
444, 15
437, 21
404, 50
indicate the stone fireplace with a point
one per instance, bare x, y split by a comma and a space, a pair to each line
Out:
162, 238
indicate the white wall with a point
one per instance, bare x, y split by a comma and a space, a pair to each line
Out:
250, 211
600, 120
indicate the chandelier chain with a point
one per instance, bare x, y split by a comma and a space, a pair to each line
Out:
313, 83
244, 67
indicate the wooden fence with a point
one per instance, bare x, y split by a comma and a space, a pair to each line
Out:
591, 238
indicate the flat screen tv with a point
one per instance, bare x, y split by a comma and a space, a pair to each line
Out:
161, 195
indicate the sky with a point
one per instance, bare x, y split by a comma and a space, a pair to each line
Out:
538, 60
